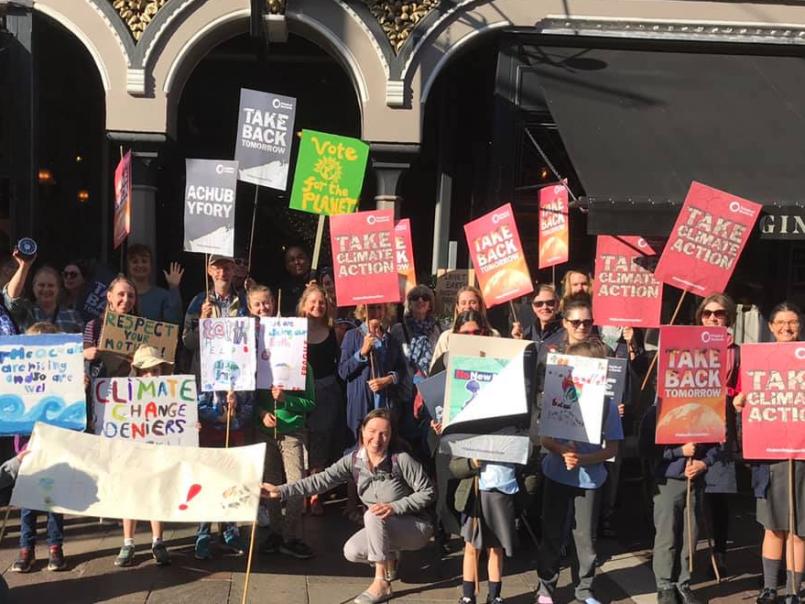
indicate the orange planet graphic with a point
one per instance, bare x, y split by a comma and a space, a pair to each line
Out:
690, 422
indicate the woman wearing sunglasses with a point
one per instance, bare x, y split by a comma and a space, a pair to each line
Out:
718, 310
74, 284
547, 329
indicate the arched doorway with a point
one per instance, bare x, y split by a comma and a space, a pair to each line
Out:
206, 128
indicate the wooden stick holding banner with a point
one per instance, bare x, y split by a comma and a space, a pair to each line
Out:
251, 236
792, 504
228, 416
5, 522
317, 245
249, 563
206, 278
654, 360
279, 302
689, 523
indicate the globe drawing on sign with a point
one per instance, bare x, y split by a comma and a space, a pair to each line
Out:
690, 416
328, 168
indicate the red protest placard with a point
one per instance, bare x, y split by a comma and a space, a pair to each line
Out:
691, 386
122, 217
709, 235
554, 230
363, 258
405, 256
625, 291
773, 419
497, 256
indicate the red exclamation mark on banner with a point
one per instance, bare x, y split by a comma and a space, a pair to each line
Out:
194, 490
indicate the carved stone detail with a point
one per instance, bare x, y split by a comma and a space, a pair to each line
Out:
398, 18
275, 7
137, 14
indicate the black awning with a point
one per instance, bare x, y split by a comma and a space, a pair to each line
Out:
640, 125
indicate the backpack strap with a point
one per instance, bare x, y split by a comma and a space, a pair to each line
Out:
355, 470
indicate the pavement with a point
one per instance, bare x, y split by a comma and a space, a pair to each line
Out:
425, 577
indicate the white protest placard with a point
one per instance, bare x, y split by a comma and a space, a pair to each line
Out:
42, 379
282, 353
158, 410
76, 473
209, 206
573, 398
228, 356
265, 134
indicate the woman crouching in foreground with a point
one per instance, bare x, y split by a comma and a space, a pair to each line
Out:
396, 492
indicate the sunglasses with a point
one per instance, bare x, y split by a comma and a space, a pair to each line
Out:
472, 332
541, 303
576, 323
420, 297
70, 274
718, 314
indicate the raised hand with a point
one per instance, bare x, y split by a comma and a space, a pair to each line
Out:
173, 275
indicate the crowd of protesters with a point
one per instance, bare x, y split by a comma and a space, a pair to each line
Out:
359, 423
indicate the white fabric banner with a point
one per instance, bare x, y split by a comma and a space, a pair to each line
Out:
77, 473
281, 353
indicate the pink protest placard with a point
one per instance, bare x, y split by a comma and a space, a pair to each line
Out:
554, 227
364, 258
625, 291
404, 249
773, 418
709, 235
122, 216
497, 256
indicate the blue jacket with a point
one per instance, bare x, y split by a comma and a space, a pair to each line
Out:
672, 463
355, 370
211, 407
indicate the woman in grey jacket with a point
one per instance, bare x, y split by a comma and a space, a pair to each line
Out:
396, 492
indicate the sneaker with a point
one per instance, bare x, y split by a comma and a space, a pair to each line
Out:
767, 596
667, 596
24, 561
496, 600
233, 541
202, 549
262, 517
160, 553
56, 559
466, 600
591, 601
543, 599
296, 548
126, 556
272, 544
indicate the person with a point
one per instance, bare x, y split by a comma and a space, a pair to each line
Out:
221, 301
46, 305
28, 517
721, 481
297, 269
770, 482
418, 332
573, 475
147, 363
576, 282
468, 298
75, 282
326, 422
279, 419
395, 490
240, 273
155, 302
547, 329
121, 298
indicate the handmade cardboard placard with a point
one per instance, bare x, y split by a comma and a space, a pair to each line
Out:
228, 357
281, 353
124, 334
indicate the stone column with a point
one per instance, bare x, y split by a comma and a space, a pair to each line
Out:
390, 161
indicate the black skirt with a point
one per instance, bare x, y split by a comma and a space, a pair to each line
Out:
495, 527
772, 510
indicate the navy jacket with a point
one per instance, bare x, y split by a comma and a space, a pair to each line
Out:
672, 463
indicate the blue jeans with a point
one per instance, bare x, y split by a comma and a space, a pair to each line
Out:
205, 528
28, 527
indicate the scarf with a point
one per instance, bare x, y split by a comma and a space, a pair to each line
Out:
421, 351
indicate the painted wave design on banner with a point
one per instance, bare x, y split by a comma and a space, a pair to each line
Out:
51, 410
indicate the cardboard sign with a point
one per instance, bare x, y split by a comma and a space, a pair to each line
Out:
573, 398
329, 173
123, 188
265, 134
448, 284
124, 334
228, 357
432, 390
75, 473
158, 410
707, 240
281, 353
42, 379
625, 291
404, 248
691, 385
364, 258
498, 256
773, 380
554, 227
209, 206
